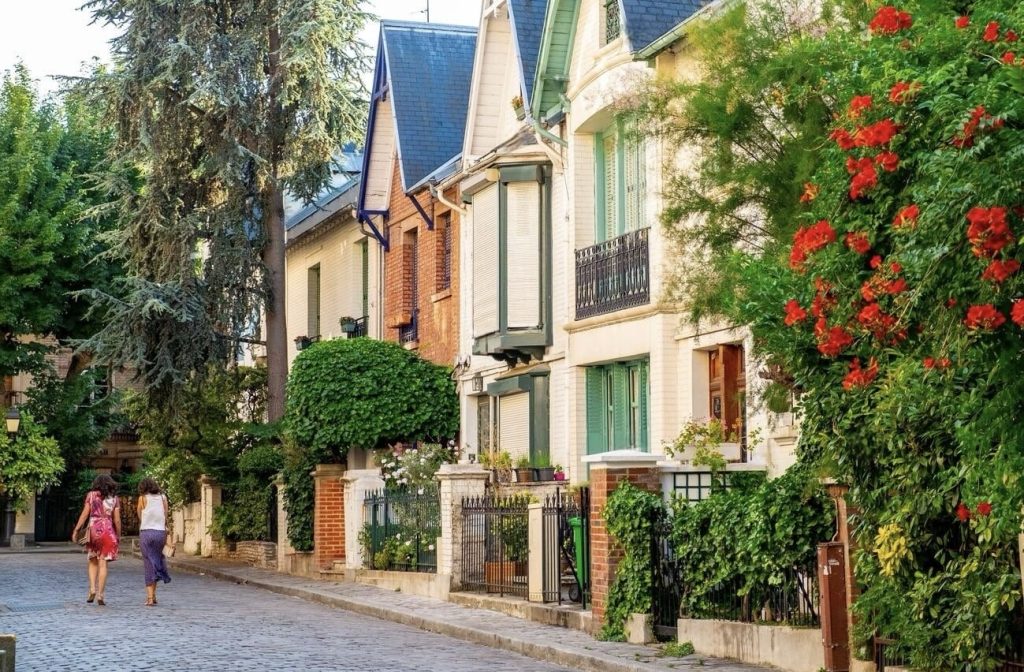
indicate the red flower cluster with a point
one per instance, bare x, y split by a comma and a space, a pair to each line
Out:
902, 91
984, 509
991, 33
1010, 36
843, 139
858, 242
875, 320
980, 119
858, 377
906, 217
963, 514
836, 339
888, 21
794, 313
889, 161
932, 363
988, 230
865, 176
1017, 312
962, 22
810, 239
984, 316
858, 104
810, 192
999, 270
877, 134
823, 299
1009, 58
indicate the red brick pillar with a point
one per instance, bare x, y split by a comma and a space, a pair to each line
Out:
607, 471
329, 515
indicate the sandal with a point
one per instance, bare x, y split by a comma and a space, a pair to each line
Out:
100, 602
92, 596
150, 603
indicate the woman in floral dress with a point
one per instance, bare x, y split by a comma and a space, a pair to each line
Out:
103, 511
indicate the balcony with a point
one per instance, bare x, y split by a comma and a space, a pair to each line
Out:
410, 333
353, 328
613, 275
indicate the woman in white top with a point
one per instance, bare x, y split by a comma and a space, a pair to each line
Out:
152, 508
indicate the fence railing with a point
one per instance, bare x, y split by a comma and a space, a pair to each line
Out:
566, 547
667, 585
360, 328
410, 333
793, 601
401, 529
495, 544
886, 654
613, 275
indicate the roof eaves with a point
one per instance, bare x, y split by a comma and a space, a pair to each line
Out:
678, 32
442, 173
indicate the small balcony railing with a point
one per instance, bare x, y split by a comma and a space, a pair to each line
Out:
410, 333
613, 275
356, 328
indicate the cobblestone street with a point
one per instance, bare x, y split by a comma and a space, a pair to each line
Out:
205, 624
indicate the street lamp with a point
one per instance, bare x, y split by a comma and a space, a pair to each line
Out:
13, 419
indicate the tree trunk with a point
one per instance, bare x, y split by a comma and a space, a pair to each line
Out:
277, 333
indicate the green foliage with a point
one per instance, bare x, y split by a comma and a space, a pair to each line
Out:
246, 516
29, 463
920, 415
247, 101
415, 467
748, 536
635, 518
678, 649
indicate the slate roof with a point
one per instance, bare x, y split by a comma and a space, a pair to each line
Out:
527, 19
345, 175
647, 20
429, 69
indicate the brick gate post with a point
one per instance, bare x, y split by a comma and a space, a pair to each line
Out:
607, 471
328, 515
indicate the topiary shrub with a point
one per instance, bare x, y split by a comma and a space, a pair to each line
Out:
357, 393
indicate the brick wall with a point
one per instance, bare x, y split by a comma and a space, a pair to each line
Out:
329, 515
438, 307
605, 553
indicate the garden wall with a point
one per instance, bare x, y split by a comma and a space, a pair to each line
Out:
793, 649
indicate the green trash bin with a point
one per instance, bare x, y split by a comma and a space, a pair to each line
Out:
579, 540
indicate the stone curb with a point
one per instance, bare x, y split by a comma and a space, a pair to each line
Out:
551, 653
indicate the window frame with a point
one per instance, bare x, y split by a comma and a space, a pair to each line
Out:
624, 145
622, 416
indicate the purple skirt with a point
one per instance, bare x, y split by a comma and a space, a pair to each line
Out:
152, 544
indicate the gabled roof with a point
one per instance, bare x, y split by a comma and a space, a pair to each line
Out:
338, 193
527, 20
428, 69
644, 21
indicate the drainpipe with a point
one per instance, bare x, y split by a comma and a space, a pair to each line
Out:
439, 195
544, 134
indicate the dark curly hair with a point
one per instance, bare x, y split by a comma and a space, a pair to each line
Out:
104, 485
149, 486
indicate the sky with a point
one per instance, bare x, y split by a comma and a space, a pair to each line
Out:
53, 37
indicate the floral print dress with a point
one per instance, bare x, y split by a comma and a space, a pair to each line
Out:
103, 542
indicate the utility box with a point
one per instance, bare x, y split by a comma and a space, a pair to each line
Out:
835, 620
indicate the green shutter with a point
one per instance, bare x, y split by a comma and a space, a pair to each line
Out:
634, 182
620, 407
612, 159
644, 406
597, 412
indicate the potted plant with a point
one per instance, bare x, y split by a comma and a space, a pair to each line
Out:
543, 469
348, 324
524, 472
499, 464
513, 534
302, 342
517, 105
559, 474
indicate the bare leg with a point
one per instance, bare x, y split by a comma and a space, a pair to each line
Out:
101, 585
151, 594
94, 567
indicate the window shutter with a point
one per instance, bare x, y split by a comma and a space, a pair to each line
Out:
597, 412
483, 426
634, 183
485, 261
523, 255
620, 408
514, 425
364, 255
644, 439
611, 186
313, 302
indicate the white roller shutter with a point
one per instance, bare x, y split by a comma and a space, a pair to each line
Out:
485, 261
514, 425
524, 255
611, 186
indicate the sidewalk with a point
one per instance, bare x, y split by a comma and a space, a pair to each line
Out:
553, 644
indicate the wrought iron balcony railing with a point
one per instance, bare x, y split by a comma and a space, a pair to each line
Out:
410, 333
613, 275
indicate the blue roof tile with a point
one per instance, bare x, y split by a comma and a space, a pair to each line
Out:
429, 69
527, 18
647, 20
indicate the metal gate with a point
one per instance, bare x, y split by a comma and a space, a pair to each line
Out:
495, 544
566, 547
667, 587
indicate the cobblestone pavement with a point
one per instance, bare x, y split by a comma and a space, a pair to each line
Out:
206, 624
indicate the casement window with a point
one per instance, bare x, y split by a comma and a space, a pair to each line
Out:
612, 21
444, 252
411, 271
621, 182
313, 302
727, 386
617, 407
512, 263
484, 426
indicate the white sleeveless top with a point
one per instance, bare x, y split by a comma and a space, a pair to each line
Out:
153, 514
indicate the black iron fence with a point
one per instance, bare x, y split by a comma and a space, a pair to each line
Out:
886, 654
359, 328
794, 600
401, 529
613, 275
495, 544
667, 585
566, 547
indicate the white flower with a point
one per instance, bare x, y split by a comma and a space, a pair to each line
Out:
420, 491
430, 548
